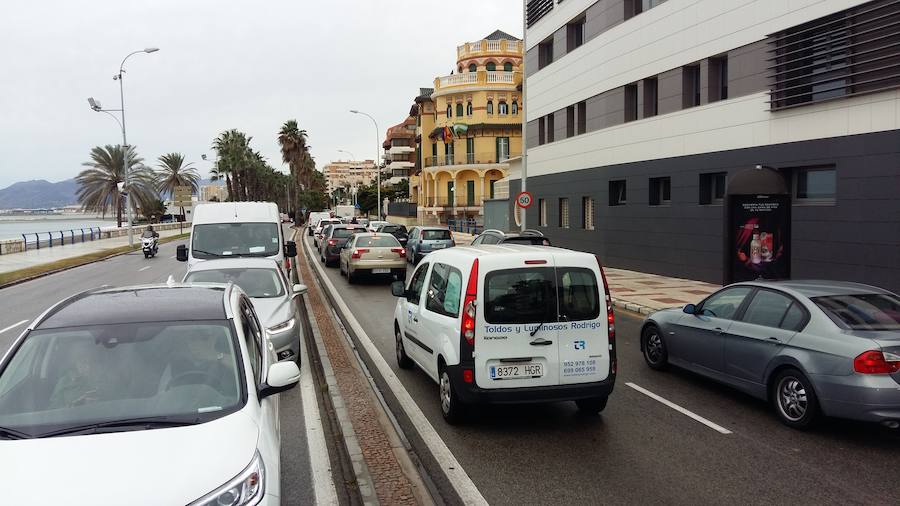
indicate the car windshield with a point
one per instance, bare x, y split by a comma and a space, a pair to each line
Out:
257, 283
234, 239
393, 229
525, 239
869, 311
435, 235
71, 377
384, 241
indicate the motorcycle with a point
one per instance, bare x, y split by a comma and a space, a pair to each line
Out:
149, 245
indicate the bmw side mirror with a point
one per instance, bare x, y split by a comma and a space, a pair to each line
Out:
398, 289
300, 289
181, 253
690, 309
290, 249
280, 377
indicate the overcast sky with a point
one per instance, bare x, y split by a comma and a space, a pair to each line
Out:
222, 64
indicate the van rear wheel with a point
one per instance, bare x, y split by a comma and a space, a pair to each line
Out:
452, 408
591, 406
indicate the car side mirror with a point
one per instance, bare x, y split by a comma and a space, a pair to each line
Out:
300, 289
690, 309
290, 249
181, 253
280, 377
398, 289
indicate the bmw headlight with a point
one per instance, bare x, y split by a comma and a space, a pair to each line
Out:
244, 489
282, 327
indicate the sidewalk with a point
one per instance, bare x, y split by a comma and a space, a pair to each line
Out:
45, 255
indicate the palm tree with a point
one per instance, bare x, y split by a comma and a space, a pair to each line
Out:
98, 186
295, 153
173, 173
234, 156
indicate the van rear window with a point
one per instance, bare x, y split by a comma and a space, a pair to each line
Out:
541, 295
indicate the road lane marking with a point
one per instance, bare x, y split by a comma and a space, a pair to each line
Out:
14, 325
142, 269
453, 470
683, 411
173, 257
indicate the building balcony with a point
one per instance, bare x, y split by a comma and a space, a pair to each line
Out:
401, 150
489, 47
479, 79
444, 204
465, 159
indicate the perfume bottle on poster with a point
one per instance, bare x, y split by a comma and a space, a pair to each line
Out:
755, 249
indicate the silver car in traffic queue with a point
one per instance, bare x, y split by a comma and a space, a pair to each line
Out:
271, 293
811, 348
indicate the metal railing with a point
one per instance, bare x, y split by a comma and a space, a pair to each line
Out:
461, 201
468, 158
467, 226
60, 237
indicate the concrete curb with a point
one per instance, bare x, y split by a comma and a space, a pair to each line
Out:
633, 307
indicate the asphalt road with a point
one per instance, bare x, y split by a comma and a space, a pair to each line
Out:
641, 451
24, 302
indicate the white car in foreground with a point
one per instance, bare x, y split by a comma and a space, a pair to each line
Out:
151, 395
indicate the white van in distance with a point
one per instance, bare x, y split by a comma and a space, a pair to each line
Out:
509, 324
235, 230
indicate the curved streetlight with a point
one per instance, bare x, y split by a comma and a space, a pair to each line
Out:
377, 153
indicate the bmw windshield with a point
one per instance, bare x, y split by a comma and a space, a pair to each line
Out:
219, 240
99, 379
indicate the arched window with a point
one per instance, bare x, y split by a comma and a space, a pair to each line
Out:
459, 70
491, 66
490, 107
469, 109
473, 67
459, 110
502, 108
449, 110
507, 66
515, 107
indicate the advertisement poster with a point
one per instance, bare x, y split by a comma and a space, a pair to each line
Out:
760, 237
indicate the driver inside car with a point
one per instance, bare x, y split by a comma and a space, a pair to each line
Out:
202, 364
87, 380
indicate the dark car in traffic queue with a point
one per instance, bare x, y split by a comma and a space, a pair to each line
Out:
333, 239
528, 236
398, 231
810, 348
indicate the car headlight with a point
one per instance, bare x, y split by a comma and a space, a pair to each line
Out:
282, 327
244, 489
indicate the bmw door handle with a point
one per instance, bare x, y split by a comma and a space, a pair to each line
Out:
720, 330
774, 340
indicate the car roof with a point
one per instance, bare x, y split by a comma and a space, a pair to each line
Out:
235, 212
146, 303
432, 228
235, 263
468, 253
818, 288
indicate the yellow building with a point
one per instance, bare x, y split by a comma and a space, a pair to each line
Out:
474, 127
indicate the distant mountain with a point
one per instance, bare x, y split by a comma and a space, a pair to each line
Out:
37, 194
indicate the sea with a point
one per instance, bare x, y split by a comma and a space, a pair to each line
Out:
13, 226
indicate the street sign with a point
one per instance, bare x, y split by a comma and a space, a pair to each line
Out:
181, 197
524, 200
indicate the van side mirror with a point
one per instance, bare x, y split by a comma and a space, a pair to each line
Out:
281, 376
181, 253
398, 289
690, 309
290, 249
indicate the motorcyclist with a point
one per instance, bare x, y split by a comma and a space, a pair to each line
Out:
149, 233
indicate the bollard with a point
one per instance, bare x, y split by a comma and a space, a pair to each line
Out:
50, 235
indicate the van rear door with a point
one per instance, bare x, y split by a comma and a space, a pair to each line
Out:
516, 329
584, 351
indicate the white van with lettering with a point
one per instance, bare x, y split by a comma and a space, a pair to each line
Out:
508, 324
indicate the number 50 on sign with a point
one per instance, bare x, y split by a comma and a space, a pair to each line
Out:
524, 200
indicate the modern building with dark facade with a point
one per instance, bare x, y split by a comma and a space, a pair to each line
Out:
718, 140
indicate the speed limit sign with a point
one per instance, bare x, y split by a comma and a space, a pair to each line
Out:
524, 200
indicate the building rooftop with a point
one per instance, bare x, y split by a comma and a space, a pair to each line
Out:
500, 35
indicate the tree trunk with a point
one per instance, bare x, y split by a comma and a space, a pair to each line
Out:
119, 204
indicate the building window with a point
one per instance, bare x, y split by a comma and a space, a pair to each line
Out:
550, 127
542, 207
490, 107
635, 7
587, 213
718, 78
564, 213
491, 66
449, 110
470, 150
507, 67
712, 188
617, 193
815, 184
660, 191
542, 132
691, 86
575, 34
570, 121
515, 108
459, 110
502, 149
448, 153
651, 97
502, 108
545, 53
469, 109
631, 102
581, 111
473, 67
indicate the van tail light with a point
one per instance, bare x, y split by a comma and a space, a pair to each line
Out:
357, 253
469, 307
876, 362
331, 242
610, 316
399, 251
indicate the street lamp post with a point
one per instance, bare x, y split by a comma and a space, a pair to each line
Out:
377, 152
96, 107
352, 159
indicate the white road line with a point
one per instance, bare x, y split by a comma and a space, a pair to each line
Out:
454, 471
173, 257
14, 325
320, 465
684, 411
142, 269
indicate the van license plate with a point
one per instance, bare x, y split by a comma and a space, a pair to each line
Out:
517, 371
381, 271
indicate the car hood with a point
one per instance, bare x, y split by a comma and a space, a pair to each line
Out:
150, 467
272, 311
